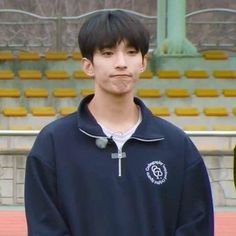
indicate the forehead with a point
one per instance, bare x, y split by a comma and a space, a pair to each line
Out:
122, 44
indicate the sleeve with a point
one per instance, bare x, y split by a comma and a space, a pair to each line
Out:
41, 204
196, 216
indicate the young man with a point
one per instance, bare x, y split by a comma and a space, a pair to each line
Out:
112, 168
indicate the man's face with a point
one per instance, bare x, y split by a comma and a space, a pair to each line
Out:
116, 70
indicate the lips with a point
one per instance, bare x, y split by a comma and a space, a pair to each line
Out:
121, 75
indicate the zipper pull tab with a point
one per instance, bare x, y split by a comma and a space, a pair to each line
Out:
119, 156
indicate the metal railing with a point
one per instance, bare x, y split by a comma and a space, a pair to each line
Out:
27, 31
189, 133
34, 133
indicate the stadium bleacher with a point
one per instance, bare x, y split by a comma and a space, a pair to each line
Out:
195, 93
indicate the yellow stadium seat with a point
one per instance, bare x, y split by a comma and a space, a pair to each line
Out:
147, 74
196, 74
9, 92
36, 92
14, 111
6, 56
215, 55
160, 111
186, 111
149, 93
6, 74
20, 127
206, 93
67, 110
224, 127
168, 74
86, 92
30, 74
76, 56
234, 111
43, 111
56, 56
79, 74
224, 74
28, 56
56, 74
215, 111
64, 92
193, 127
229, 92
177, 93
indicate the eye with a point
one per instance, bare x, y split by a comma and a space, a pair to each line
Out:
107, 52
132, 51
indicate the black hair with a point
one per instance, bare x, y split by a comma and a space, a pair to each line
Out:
106, 29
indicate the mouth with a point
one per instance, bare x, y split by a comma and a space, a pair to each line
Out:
120, 75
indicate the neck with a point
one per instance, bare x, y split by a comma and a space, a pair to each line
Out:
117, 114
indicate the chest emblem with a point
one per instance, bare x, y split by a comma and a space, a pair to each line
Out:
156, 172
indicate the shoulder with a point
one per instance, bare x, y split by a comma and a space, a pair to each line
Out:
60, 124
48, 138
178, 140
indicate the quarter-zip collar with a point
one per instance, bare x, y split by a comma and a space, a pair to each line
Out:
148, 129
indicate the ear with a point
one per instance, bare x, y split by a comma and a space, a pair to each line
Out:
87, 66
144, 64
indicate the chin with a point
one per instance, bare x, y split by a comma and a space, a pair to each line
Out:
122, 93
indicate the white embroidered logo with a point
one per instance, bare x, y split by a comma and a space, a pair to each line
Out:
157, 172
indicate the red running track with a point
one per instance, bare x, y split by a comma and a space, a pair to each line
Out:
12, 223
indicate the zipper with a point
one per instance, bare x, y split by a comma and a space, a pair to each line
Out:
120, 154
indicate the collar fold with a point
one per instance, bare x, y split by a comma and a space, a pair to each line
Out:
148, 129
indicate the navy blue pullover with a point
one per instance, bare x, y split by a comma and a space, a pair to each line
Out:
73, 186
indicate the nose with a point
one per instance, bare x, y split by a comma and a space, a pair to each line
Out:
120, 61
